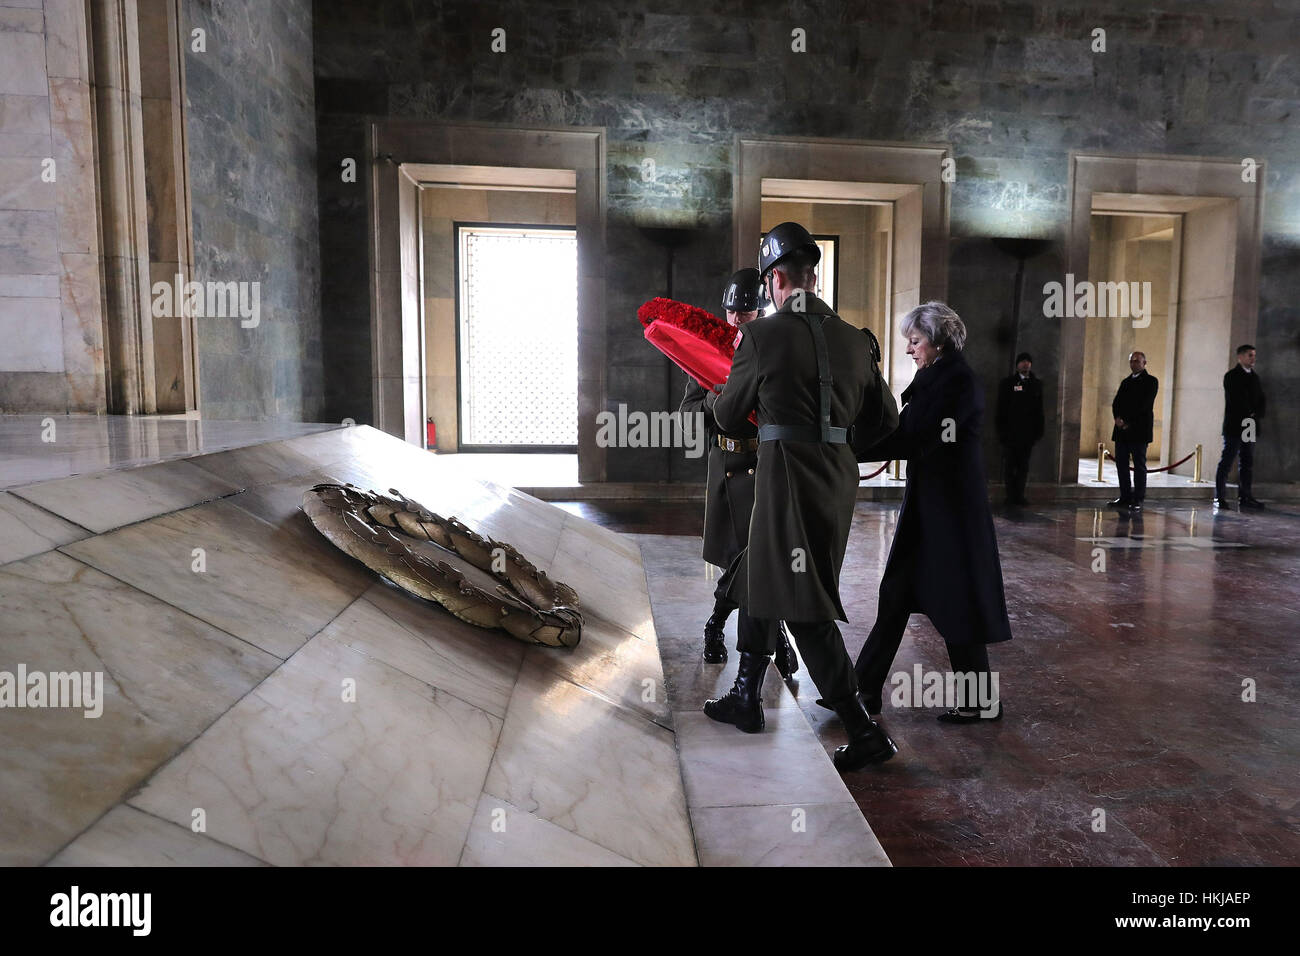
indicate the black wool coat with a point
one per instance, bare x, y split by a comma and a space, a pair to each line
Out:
1020, 410
729, 489
1243, 397
1135, 402
945, 551
804, 491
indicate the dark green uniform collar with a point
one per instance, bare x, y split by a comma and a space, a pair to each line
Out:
811, 305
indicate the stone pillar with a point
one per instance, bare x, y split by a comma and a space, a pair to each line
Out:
124, 226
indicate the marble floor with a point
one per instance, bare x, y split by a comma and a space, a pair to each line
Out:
1123, 686
39, 447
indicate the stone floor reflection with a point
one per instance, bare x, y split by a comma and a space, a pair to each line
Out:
1135, 640
41, 447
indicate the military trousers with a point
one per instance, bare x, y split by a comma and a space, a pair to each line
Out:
820, 645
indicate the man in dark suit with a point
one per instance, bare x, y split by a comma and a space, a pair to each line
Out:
1134, 410
810, 376
1243, 407
729, 491
1020, 425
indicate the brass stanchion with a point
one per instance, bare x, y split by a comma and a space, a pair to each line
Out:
1196, 469
1101, 461
898, 470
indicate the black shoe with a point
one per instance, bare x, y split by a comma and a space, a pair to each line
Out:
1119, 503
1251, 502
968, 715
715, 642
1222, 504
1135, 506
867, 744
742, 705
787, 661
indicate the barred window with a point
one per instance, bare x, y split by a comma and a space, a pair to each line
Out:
518, 336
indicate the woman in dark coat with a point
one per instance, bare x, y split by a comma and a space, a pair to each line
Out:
944, 560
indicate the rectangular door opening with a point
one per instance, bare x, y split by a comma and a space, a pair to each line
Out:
517, 337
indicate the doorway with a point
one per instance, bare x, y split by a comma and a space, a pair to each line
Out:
885, 205
516, 338
417, 159
1128, 210
1133, 262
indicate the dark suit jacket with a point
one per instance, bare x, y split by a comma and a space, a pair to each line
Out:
1135, 402
1243, 397
729, 489
805, 491
1020, 413
945, 550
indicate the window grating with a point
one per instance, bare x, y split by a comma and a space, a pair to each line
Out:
518, 336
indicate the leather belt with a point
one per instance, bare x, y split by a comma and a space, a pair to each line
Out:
824, 431
737, 444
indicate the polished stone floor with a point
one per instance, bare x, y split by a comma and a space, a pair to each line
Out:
1135, 641
40, 447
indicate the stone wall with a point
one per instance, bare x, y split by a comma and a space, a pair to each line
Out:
251, 130
1013, 87
51, 340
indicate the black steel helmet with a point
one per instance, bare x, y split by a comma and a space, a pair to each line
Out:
783, 239
743, 292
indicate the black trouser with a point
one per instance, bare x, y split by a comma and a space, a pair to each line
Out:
1015, 470
886, 635
1124, 450
1232, 446
720, 600
820, 646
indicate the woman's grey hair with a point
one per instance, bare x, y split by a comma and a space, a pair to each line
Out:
938, 323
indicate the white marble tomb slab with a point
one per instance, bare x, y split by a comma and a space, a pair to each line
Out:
430, 644
166, 676
26, 530
256, 464
531, 526
786, 764
294, 775
595, 769
834, 834
126, 836
504, 835
605, 569
270, 586
614, 663
112, 499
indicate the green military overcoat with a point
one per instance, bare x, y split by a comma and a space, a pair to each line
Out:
804, 491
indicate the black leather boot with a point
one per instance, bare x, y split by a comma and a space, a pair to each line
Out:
742, 706
715, 642
787, 662
867, 744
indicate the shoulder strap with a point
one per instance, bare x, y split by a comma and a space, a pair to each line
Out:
823, 431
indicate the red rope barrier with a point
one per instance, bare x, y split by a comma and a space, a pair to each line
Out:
874, 473
1151, 471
